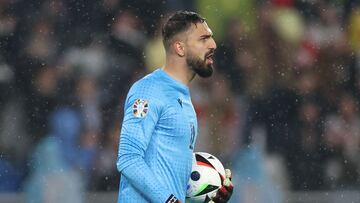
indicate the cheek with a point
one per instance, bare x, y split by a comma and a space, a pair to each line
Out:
196, 54
197, 51
200, 54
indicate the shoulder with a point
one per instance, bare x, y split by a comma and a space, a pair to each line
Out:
150, 85
148, 88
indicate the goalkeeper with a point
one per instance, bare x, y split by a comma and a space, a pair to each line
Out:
160, 127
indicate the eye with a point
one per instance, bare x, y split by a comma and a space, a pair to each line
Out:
204, 39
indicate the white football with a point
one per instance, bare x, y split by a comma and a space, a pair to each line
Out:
206, 177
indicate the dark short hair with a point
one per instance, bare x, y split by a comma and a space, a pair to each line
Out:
177, 23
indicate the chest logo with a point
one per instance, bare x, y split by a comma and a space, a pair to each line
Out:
140, 108
180, 102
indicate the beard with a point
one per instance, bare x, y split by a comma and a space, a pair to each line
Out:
199, 66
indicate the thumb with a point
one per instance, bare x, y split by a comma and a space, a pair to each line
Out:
228, 173
227, 181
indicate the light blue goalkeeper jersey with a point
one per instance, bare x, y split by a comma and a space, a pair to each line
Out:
157, 140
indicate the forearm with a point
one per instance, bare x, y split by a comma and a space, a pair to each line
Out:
141, 177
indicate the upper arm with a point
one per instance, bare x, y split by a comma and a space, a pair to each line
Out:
141, 114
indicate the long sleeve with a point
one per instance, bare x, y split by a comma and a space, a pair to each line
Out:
156, 141
141, 116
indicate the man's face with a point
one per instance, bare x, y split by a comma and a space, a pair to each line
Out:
200, 49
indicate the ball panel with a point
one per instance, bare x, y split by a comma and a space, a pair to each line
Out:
206, 189
208, 176
201, 198
201, 160
215, 162
204, 164
211, 173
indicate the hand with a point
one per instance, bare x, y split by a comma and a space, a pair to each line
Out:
224, 193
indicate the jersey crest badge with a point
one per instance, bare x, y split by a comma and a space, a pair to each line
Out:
140, 108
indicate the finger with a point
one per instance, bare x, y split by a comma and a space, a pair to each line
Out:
227, 182
228, 173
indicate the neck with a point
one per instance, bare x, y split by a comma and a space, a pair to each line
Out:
179, 70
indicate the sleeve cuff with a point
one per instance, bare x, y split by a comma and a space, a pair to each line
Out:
172, 199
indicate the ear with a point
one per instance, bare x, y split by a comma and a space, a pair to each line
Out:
179, 48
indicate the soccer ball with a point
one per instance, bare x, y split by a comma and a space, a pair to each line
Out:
206, 177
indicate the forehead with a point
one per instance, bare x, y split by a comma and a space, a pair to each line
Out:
199, 29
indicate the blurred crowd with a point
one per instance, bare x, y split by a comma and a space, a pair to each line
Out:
282, 106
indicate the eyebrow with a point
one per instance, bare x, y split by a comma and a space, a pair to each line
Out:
206, 36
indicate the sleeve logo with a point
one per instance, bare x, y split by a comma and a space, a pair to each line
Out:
140, 108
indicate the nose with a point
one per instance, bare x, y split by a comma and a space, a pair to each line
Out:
212, 44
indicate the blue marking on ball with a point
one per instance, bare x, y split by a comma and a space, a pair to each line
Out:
195, 176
